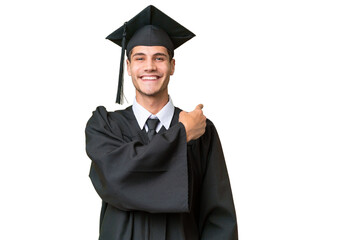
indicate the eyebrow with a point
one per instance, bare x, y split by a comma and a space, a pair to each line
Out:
161, 54
143, 54
138, 54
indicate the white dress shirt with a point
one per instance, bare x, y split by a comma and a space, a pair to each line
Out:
165, 115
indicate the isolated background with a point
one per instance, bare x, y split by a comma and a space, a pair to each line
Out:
280, 80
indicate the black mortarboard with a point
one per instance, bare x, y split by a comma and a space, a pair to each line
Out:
150, 27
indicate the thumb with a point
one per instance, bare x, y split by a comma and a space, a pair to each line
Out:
199, 107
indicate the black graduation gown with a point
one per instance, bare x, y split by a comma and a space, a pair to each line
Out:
165, 189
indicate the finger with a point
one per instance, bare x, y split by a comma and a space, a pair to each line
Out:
200, 106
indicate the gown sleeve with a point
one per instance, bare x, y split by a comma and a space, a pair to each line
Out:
132, 176
217, 211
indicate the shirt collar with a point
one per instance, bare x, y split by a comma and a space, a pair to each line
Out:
164, 115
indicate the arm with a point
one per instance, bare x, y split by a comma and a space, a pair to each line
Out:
133, 176
217, 212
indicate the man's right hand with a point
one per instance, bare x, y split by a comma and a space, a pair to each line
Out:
194, 122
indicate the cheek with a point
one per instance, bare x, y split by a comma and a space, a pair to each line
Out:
168, 69
132, 70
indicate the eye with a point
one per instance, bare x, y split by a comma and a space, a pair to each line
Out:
139, 58
159, 59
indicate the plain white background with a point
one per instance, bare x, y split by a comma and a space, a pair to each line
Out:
280, 80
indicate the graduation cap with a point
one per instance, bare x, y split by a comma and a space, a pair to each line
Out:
150, 27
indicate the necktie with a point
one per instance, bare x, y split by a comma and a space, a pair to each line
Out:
152, 123
157, 221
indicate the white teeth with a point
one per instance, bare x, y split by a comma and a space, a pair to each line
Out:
149, 78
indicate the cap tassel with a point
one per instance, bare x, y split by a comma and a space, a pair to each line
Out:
120, 91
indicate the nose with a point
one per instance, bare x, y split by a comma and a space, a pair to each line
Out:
150, 65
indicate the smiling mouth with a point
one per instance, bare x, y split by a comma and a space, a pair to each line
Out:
149, 78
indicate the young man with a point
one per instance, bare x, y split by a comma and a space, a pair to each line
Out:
160, 171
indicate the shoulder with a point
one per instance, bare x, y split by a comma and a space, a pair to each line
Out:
210, 124
98, 115
210, 130
102, 112
102, 117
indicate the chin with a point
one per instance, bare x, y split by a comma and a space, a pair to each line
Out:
149, 93
153, 93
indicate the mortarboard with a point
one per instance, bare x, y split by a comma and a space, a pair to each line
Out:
150, 27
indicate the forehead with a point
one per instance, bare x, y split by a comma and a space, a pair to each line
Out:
149, 50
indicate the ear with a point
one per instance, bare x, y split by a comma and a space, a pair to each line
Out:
172, 66
128, 63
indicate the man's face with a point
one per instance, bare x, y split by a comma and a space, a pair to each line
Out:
150, 69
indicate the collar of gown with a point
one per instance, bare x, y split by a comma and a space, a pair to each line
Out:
164, 115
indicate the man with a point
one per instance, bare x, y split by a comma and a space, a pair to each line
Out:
160, 171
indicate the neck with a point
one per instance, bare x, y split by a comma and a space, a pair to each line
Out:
152, 103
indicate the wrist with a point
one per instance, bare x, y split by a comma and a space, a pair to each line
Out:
187, 132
